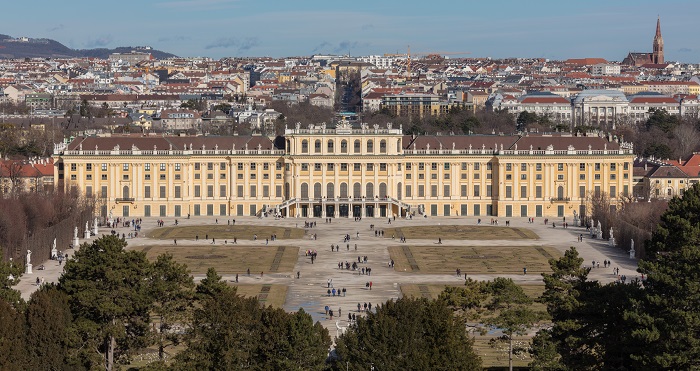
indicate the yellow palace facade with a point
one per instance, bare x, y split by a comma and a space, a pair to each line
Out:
345, 171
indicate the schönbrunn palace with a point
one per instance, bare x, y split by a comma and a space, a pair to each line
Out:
345, 171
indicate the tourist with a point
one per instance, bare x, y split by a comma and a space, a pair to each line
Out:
236, 277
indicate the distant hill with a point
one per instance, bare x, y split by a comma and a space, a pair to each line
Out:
46, 48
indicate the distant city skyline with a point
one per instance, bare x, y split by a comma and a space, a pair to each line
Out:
238, 28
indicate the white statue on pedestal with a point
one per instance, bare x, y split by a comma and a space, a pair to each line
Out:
611, 242
94, 227
28, 265
54, 251
76, 241
632, 252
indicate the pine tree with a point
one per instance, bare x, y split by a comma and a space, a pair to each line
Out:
13, 355
512, 313
50, 340
407, 334
668, 316
172, 289
110, 298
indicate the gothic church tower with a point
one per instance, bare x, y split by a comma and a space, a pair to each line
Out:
658, 54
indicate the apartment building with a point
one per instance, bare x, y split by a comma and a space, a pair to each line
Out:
345, 171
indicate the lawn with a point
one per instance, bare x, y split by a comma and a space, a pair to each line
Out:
274, 295
221, 232
230, 259
459, 232
472, 259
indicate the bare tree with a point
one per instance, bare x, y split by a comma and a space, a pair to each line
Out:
688, 138
601, 210
637, 221
12, 170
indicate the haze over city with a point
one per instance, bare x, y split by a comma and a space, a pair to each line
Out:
220, 28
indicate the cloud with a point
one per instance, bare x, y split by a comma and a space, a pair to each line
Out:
320, 47
56, 28
341, 47
232, 42
685, 50
347, 46
99, 42
176, 38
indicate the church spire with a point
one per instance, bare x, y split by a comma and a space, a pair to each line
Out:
658, 45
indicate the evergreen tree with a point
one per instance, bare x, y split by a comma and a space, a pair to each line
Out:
407, 334
590, 324
172, 288
211, 285
512, 313
668, 316
110, 299
13, 356
10, 272
50, 341
230, 332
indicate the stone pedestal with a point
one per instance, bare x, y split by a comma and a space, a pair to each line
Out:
94, 229
76, 242
632, 253
54, 253
87, 234
611, 242
28, 268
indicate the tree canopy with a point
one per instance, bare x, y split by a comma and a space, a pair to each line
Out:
407, 333
109, 294
668, 318
230, 332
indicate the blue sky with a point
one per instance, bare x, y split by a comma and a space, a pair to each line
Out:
503, 28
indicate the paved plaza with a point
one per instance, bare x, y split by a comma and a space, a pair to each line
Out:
309, 291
